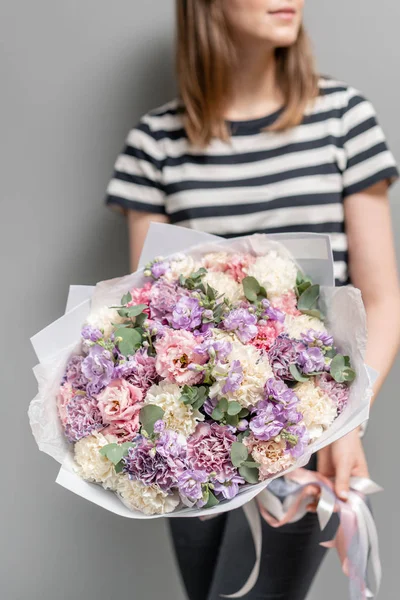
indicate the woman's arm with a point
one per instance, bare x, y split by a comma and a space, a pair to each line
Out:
138, 225
373, 270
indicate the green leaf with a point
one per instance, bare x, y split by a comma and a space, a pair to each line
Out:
331, 353
244, 413
223, 405
239, 454
149, 414
123, 312
294, 371
198, 274
211, 293
217, 414
234, 408
131, 340
119, 467
134, 311
314, 312
309, 298
349, 374
251, 464
337, 365
249, 474
212, 500
140, 319
114, 452
251, 288
232, 420
126, 299
242, 435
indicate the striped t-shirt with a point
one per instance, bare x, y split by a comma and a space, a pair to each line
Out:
259, 181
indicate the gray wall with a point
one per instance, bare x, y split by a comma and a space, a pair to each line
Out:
75, 76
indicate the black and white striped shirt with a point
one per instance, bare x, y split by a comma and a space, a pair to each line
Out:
259, 181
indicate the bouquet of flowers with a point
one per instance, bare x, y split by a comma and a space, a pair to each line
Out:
218, 370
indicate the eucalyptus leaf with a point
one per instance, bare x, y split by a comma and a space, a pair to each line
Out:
309, 298
217, 414
244, 413
242, 435
134, 311
212, 500
232, 420
123, 312
294, 371
349, 374
119, 467
140, 319
239, 454
251, 464
149, 414
251, 288
234, 408
223, 405
126, 299
249, 474
314, 312
114, 452
131, 340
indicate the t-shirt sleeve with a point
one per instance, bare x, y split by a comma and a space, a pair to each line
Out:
137, 179
368, 159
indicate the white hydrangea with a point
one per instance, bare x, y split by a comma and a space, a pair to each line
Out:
104, 318
296, 325
317, 408
275, 273
148, 499
256, 370
93, 466
216, 261
177, 416
225, 284
182, 265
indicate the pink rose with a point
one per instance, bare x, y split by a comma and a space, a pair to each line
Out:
267, 335
288, 304
64, 396
176, 357
124, 431
120, 403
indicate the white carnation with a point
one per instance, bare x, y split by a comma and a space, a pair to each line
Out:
104, 318
275, 273
317, 408
148, 499
93, 466
178, 416
256, 370
182, 265
226, 285
217, 261
296, 325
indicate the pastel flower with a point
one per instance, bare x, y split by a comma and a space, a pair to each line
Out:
159, 268
83, 417
141, 296
143, 463
91, 334
176, 354
234, 378
209, 450
64, 397
266, 423
295, 327
317, 338
233, 264
225, 285
139, 370
300, 432
287, 303
271, 312
272, 456
190, 485
178, 416
163, 295
104, 320
97, 367
311, 360
182, 265
187, 313
318, 409
93, 466
147, 499
276, 273
228, 488
266, 335
122, 431
282, 354
74, 374
120, 402
243, 323
276, 390
337, 392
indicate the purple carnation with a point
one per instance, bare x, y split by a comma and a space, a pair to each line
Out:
83, 417
98, 368
234, 378
187, 313
163, 296
74, 374
268, 422
317, 338
274, 314
311, 360
209, 449
190, 484
143, 463
284, 352
243, 323
228, 488
338, 392
139, 370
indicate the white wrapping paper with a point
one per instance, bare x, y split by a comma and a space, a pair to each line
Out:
53, 346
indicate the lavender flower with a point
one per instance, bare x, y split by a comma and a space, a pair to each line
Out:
162, 300
243, 323
217, 350
187, 313
74, 374
159, 426
299, 439
83, 417
274, 314
268, 422
284, 352
277, 390
228, 488
170, 444
209, 405
317, 338
158, 269
98, 369
190, 484
311, 360
234, 378
143, 463
92, 334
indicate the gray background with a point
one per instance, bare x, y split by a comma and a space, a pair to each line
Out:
75, 76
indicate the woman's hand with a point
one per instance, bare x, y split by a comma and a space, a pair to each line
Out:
341, 460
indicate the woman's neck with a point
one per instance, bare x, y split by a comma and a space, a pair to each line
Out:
255, 92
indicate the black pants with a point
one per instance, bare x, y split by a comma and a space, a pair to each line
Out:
216, 556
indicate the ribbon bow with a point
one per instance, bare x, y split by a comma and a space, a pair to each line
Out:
356, 540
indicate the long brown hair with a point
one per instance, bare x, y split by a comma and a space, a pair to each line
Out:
205, 60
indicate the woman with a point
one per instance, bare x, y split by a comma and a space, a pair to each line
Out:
257, 142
